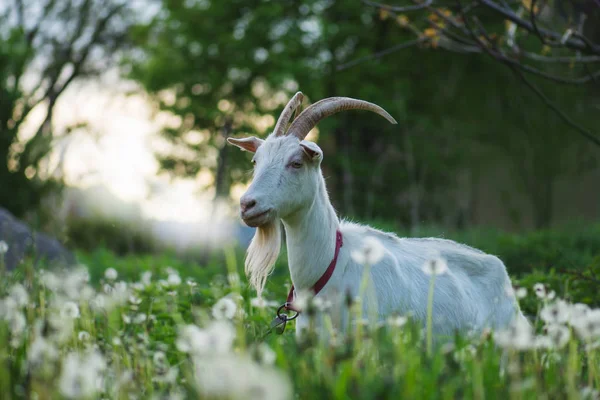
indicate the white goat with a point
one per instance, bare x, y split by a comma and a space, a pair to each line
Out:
473, 294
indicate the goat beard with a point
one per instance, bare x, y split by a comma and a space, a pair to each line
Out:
262, 254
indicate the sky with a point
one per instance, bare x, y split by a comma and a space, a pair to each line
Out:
117, 148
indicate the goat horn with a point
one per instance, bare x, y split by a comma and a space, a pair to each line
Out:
286, 114
311, 116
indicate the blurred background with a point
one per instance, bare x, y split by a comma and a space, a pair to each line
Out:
114, 115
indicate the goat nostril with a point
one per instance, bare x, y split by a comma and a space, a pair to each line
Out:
248, 204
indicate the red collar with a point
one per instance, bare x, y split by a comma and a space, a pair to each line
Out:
320, 284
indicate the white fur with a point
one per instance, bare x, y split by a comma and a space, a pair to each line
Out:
472, 295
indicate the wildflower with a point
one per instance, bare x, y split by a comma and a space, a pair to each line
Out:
587, 326
19, 295
70, 310
134, 300
435, 266
126, 318
559, 335
139, 319
191, 283
81, 375
17, 323
266, 355
518, 336
117, 341
239, 378
397, 321
174, 279
555, 313
302, 299
225, 308
160, 359
217, 338
146, 278
83, 336
260, 302
578, 310
540, 290
3, 247
588, 393
371, 252
72, 284
521, 293
41, 351
111, 274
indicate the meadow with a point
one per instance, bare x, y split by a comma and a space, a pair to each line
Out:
159, 327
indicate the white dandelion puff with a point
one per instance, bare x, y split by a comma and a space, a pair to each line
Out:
174, 279
225, 308
216, 339
397, 321
19, 295
435, 266
266, 355
559, 335
111, 274
146, 278
81, 375
519, 335
261, 302
70, 310
555, 313
539, 290
521, 293
140, 318
370, 253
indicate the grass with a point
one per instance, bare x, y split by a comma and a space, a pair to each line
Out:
190, 331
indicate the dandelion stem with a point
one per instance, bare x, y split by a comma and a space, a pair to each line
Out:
430, 316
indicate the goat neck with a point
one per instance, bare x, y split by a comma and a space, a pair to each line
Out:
310, 237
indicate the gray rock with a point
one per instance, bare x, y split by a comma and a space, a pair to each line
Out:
22, 241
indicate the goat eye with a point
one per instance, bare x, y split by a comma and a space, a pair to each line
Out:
296, 164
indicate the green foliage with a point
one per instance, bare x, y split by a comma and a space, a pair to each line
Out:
221, 66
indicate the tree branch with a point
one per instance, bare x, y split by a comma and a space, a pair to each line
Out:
382, 53
386, 7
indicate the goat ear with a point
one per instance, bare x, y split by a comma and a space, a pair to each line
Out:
250, 144
311, 149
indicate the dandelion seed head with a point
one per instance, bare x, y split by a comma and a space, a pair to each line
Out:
146, 278
69, 310
519, 335
81, 375
111, 274
559, 335
174, 279
370, 252
556, 313
261, 302
539, 290
19, 295
224, 308
435, 266
397, 321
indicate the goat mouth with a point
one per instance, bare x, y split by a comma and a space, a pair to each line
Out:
257, 219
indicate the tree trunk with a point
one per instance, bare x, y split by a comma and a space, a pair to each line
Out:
221, 187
